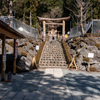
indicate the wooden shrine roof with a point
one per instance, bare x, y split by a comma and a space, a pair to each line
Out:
9, 32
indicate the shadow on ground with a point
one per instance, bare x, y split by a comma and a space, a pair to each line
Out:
72, 86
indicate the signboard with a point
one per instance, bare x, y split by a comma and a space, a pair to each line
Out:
91, 55
4, 55
4, 50
4, 65
16, 49
4, 58
37, 47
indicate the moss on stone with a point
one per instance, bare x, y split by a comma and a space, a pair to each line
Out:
24, 54
93, 69
86, 59
97, 45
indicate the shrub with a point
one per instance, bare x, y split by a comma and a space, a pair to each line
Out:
93, 69
24, 54
86, 59
32, 48
97, 45
30, 41
35, 44
7, 50
11, 43
67, 53
25, 44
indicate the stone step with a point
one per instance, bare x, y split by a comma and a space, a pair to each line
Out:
52, 56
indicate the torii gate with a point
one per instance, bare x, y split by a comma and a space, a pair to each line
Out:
51, 21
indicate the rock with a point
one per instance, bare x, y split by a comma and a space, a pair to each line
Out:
84, 52
9, 49
24, 64
97, 39
79, 61
21, 42
97, 66
98, 54
27, 62
27, 48
21, 49
73, 52
82, 44
31, 52
92, 48
29, 57
78, 50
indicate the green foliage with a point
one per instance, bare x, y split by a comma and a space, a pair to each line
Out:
67, 53
25, 44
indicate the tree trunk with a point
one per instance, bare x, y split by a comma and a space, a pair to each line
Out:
30, 18
81, 21
10, 8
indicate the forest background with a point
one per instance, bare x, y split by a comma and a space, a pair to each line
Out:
28, 10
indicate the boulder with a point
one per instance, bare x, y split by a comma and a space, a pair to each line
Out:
96, 65
79, 61
29, 57
92, 48
73, 52
82, 44
9, 49
21, 42
84, 52
24, 64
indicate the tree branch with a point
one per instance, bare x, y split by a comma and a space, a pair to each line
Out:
73, 12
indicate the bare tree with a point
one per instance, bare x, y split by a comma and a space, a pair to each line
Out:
80, 8
56, 12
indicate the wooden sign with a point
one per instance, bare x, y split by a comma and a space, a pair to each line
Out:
37, 47
91, 55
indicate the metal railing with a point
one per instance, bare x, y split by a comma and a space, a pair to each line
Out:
94, 25
19, 26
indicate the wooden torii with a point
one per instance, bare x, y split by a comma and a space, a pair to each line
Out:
53, 21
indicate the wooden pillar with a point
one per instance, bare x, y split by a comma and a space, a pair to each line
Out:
63, 29
44, 30
2, 63
14, 59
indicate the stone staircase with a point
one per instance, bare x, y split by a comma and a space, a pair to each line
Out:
52, 56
